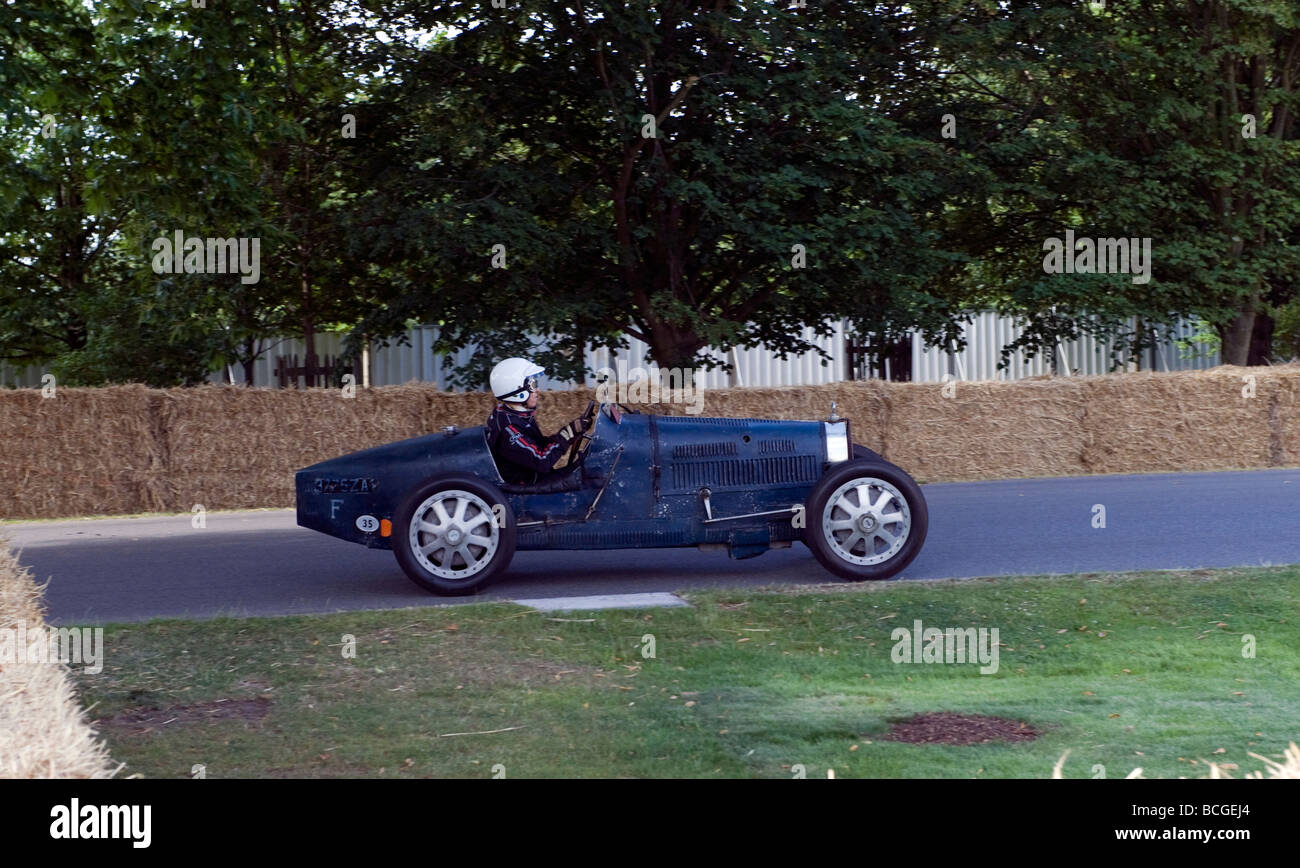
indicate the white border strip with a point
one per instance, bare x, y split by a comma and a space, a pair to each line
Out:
605, 601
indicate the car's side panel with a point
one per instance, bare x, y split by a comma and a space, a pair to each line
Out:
747, 466
660, 466
338, 497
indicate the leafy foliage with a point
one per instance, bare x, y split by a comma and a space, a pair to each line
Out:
694, 175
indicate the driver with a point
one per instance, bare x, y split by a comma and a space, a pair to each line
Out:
523, 454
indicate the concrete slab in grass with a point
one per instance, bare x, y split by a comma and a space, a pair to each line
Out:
605, 601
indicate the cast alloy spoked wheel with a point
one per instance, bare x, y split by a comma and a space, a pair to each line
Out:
452, 534
866, 521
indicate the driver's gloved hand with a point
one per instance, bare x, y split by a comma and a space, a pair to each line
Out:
578, 426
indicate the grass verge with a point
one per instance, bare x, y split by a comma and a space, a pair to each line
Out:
1138, 669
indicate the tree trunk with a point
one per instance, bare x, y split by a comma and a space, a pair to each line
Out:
1237, 335
1261, 341
1138, 339
250, 352
308, 331
672, 347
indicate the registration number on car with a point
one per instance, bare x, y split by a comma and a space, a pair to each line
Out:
346, 486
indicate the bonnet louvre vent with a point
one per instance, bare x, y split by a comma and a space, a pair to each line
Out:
691, 475
703, 450
721, 421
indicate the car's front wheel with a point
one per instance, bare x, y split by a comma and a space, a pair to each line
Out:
453, 534
866, 520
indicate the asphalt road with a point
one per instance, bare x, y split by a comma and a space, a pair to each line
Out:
262, 563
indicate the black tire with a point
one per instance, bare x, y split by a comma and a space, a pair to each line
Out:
872, 556
490, 545
862, 453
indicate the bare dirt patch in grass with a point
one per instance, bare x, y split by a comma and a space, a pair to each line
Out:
946, 727
138, 721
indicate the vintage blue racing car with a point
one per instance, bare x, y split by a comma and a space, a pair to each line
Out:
634, 480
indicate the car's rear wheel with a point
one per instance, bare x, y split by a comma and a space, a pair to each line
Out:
454, 534
866, 520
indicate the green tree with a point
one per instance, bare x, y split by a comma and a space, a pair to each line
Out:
220, 122
690, 176
1173, 120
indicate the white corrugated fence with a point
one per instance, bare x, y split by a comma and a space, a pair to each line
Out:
985, 335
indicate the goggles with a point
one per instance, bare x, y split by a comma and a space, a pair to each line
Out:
530, 386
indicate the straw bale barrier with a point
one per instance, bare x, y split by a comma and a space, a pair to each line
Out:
125, 449
43, 731
233, 448
84, 450
987, 430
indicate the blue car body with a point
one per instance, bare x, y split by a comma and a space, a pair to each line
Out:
642, 481
648, 470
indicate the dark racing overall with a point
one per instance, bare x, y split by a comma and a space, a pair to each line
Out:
524, 455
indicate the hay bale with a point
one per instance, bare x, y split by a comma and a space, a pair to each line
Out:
1181, 421
128, 449
986, 430
43, 730
1284, 417
864, 400
83, 451
867, 403
756, 402
462, 409
554, 408
228, 447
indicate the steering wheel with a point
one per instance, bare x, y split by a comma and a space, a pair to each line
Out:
587, 415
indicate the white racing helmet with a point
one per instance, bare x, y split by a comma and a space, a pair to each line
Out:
512, 380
